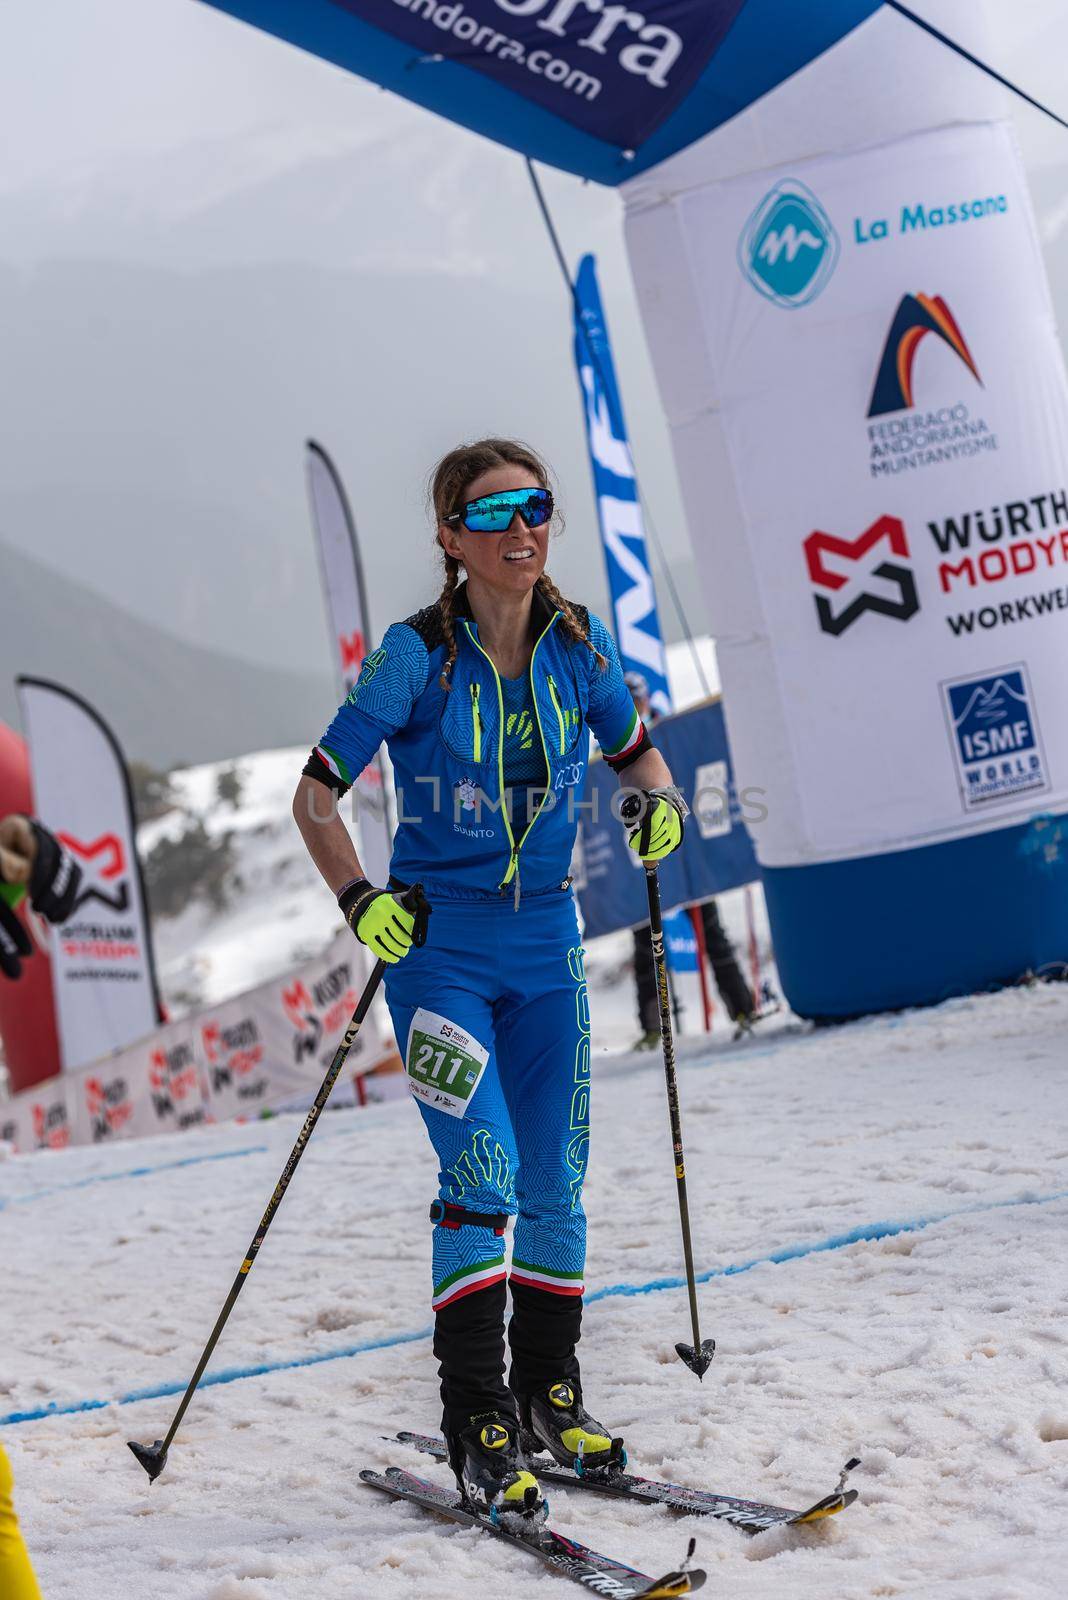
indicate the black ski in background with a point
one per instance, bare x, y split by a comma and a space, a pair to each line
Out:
597, 1574
752, 1516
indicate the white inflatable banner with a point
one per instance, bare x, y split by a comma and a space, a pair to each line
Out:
101, 958
861, 352
345, 594
267, 1049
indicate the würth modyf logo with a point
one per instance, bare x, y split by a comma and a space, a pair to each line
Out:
103, 863
916, 316
819, 546
788, 248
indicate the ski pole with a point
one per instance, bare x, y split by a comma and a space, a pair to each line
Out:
698, 1355
154, 1457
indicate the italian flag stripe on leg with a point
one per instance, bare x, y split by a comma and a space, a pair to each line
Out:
547, 1278
465, 1280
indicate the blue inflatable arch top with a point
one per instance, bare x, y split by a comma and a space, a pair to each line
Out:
600, 89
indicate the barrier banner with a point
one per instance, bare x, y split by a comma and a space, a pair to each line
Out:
267, 1049
155, 1086
619, 512
102, 967
345, 594
39, 1118
716, 852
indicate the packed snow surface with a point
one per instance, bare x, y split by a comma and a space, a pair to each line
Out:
937, 1352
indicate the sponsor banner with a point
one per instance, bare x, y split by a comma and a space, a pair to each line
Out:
236, 1069
612, 73
39, 1118
630, 582
346, 603
102, 969
680, 941
872, 372
304, 1021
265, 1050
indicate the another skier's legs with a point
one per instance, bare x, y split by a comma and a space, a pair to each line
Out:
736, 993
645, 985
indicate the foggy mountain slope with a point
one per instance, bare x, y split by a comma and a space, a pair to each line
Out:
152, 422
166, 700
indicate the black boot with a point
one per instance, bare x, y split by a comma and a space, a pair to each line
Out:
543, 1333
478, 1409
555, 1419
493, 1473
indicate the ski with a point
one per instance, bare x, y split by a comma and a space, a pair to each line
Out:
753, 1516
598, 1574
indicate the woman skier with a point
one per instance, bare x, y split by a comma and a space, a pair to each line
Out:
485, 699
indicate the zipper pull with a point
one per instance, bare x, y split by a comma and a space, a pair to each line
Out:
476, 721
515, 900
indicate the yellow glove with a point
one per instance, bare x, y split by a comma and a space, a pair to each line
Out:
655, 829
381, 922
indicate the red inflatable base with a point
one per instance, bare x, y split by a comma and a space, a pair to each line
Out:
27, 1012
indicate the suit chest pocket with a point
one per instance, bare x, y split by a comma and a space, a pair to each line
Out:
565, 724
468, 722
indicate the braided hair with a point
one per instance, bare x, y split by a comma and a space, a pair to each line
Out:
450, 479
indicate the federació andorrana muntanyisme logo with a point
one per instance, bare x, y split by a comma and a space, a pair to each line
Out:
789, 249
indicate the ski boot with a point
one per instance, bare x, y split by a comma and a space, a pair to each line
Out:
649, 1040
554, 1419
492, 1471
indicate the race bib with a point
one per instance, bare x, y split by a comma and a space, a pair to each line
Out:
444, 1064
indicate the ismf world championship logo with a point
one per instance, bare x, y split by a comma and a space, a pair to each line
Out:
908, 435
789, 248
995, 737
869, 573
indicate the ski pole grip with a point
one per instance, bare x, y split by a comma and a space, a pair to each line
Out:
631, 808
414, 900
636, 811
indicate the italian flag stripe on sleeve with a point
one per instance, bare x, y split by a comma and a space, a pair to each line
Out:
547, 1278
465, 1280
335, 763
634, 733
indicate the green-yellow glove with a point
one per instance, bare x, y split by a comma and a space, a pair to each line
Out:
655, 830
381, 922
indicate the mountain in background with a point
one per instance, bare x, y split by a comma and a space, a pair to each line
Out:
167, 701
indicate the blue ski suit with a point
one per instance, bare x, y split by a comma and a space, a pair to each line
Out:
491, 1014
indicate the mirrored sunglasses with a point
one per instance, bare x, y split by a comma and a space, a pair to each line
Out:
493, 513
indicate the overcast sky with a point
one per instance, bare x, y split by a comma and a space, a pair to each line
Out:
214, 245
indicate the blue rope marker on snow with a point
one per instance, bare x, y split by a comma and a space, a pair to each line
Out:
130, 1172
864, 1233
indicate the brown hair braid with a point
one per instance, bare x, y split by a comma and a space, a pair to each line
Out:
450, 478
568, 620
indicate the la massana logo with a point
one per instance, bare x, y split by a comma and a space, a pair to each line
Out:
788, 248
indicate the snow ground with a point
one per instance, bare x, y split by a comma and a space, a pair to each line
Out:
940, 1355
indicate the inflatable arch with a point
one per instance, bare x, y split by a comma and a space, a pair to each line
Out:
840, 279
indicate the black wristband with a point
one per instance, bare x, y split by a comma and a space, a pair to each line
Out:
353, 895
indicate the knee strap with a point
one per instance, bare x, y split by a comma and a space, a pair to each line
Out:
449, 1216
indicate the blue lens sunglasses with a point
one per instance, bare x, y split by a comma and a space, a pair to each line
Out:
493, 513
